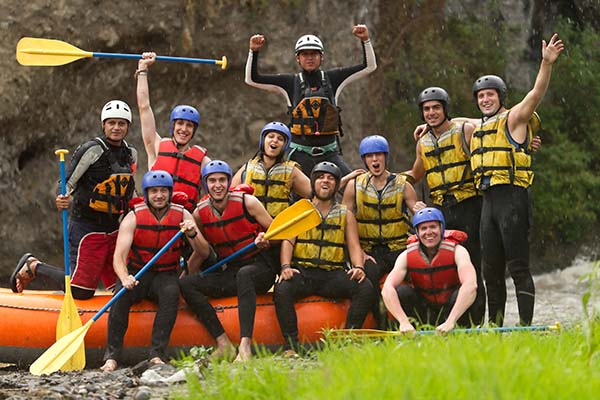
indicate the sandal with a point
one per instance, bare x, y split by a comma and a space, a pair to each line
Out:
25, 276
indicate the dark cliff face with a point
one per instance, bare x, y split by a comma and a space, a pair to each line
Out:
45, 108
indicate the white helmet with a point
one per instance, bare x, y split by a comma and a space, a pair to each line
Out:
309, 42
116, 109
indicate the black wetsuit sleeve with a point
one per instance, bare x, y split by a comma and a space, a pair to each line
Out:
278, 83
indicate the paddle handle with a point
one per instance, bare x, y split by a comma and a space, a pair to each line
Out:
228, 258
139, 274
65, 213
222, 62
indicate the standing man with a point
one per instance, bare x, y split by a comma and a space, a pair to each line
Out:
143, 232
381, 201
501, 164
229, 221
443, 280
443, 156
312, 96
100, 181
315, 263
176, 155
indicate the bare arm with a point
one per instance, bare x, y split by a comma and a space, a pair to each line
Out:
124, 241
410, 198
149, 135
390, 295
237, 178
300, 183
258, 211
195, 237
285, 256
418, 169
467, 291
357, 272
350, 176
349, 199
521, 113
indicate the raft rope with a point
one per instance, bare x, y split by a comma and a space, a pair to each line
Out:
217, 308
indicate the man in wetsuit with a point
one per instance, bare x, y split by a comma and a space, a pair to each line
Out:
312, 97
100, 183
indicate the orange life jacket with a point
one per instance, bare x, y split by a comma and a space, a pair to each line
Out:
151, 235
438, 279
185, 167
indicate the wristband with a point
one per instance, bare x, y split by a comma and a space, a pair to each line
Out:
192, 236
140, 72
359, 267
285, 266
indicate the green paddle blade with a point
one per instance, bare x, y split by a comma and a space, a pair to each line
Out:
298, 218
68, 321
48, 52
60, 352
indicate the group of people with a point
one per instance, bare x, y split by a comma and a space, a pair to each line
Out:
478, 172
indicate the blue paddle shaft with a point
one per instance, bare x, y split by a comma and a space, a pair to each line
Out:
158, 58
497, 329
228, 258
139, 274
65, 219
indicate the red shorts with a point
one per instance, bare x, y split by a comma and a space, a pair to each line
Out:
95, 261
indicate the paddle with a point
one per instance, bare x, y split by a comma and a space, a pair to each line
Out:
375, 333
60, 352
298, 218
68, 319
50, 52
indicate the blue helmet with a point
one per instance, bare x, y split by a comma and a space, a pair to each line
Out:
187, 113
212, 168
157, 178
429, 214
374, 144
278, 127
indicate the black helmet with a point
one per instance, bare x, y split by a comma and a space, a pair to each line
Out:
491, 82
328, 167
434, 93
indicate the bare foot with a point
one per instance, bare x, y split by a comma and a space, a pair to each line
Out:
109, 366
245, 350
156, 361
226, 352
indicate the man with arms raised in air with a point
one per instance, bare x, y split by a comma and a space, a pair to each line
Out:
312, 96
443, 283
176, 155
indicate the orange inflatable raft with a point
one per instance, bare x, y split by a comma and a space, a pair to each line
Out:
29, 324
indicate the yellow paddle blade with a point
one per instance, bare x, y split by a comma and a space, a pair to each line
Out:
48, 52
60, 352
341, 333
68, 321
298, 218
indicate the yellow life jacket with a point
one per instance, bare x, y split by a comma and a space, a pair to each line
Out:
447, 164
381, 217
111, 195
495, 156
315, 116
271, 187
323, 246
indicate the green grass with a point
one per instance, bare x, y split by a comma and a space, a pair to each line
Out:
520, 365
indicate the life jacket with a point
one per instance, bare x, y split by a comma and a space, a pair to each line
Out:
104, 190
437, 279
272, 188
231, 230
151, 235
497, 158
323, 246
447, 164
185, 167
314, 111
381, 216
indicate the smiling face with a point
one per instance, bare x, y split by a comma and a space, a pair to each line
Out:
430, 234
325, 186
217, 185
488, 102
433, 113
274, 143
375, 163
183, 131
115, 130
158, 197
309, 60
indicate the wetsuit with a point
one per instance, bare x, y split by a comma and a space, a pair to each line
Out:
310, 149
93, 233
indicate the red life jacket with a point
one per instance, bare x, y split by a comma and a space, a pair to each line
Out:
435, 281
151, 235
231, 230
186, 168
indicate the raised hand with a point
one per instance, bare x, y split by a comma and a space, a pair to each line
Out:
551, 51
